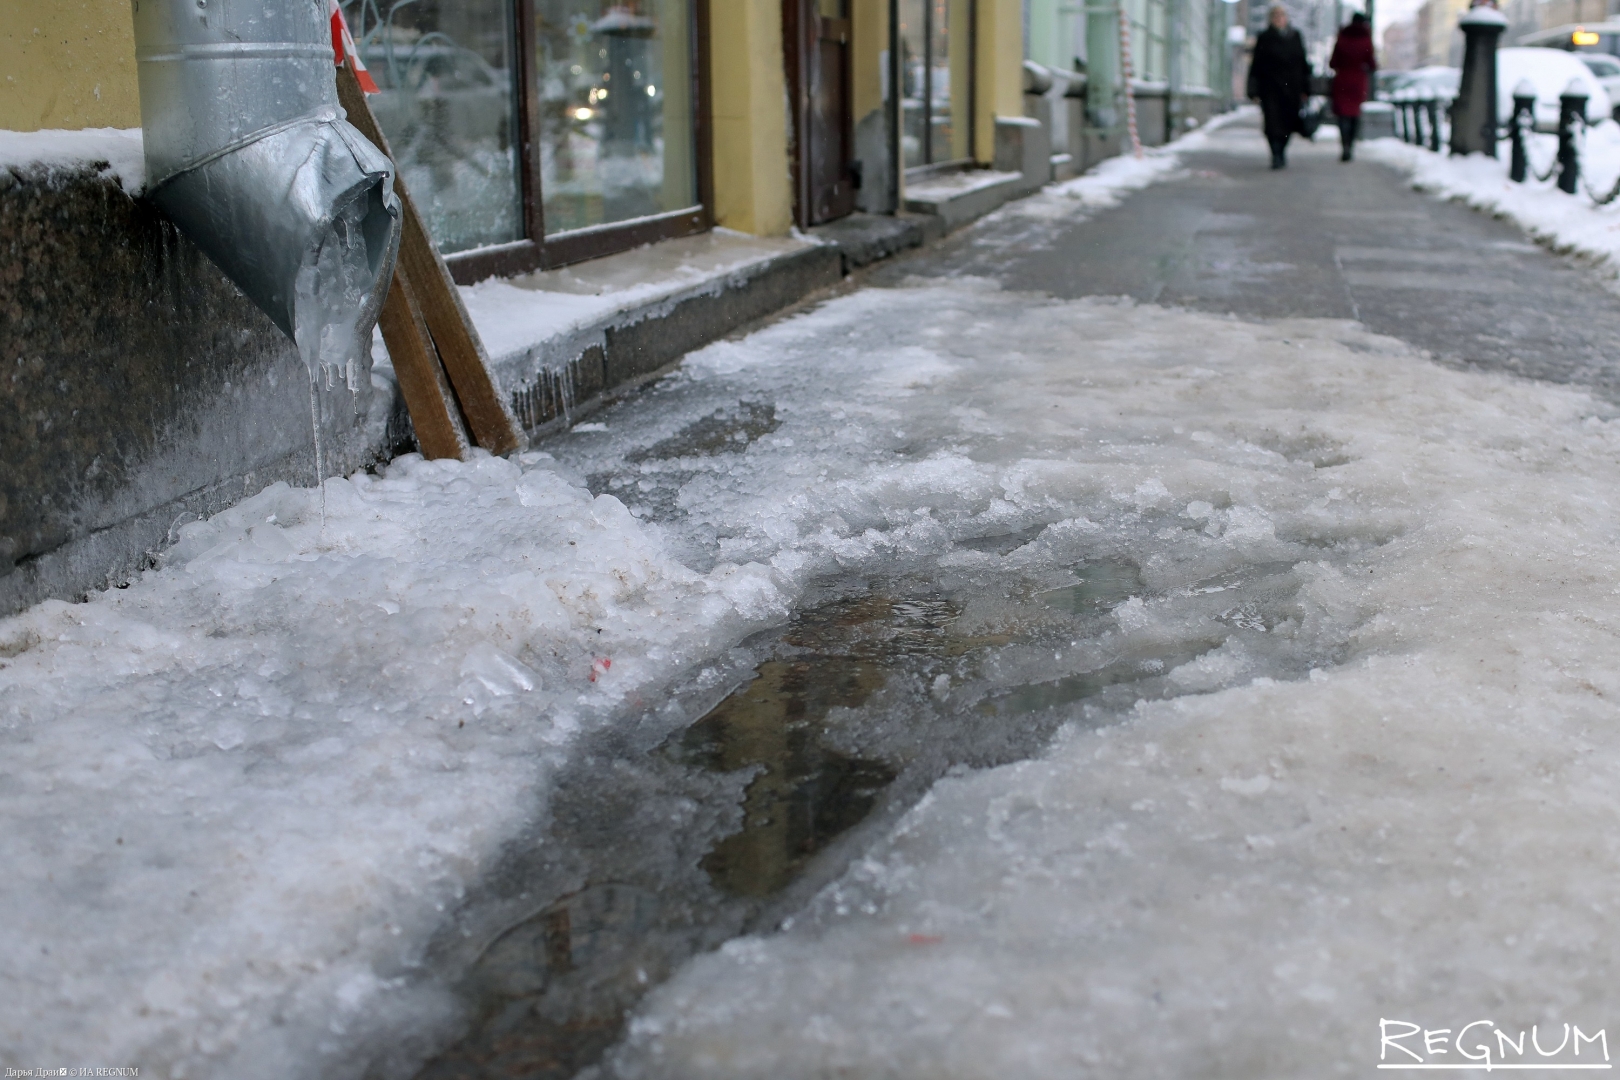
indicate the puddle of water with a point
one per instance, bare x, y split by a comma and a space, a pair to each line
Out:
1103, 585
837, 723
805, 793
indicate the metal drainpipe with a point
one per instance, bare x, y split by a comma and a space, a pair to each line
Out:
248, 152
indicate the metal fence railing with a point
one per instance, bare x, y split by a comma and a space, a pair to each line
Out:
1417, 119
1424, 120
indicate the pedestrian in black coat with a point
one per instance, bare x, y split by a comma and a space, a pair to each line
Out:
1280, 79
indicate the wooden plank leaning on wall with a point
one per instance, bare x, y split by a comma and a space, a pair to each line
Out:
439, 360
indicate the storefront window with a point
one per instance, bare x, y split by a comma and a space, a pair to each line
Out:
616, 135
935, 37
449, 109
1150, 51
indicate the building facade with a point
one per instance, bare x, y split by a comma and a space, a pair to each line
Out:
1180, 57
144, 389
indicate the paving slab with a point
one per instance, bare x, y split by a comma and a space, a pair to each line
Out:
1320, 238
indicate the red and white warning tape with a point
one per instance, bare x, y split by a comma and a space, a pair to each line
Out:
1128, 75
343, 47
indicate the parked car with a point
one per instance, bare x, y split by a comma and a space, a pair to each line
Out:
1607, 70
1435, 82
1549, 71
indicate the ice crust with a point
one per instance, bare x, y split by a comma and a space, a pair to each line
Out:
242, 794
1241, 881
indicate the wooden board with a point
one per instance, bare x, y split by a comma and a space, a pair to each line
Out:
434, 413
434, 304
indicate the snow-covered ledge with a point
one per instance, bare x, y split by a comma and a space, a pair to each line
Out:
557, 338
119, 152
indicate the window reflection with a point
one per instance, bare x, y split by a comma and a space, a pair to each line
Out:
615, 111
449, 109
934, 37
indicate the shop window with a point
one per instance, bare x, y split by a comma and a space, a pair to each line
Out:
534, 133
936, 79
615, 112
1150, 52
449, 107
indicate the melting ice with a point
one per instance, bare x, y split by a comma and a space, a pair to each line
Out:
1375, 762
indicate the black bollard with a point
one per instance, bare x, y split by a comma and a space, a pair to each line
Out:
1433, 107
1520, 127
1571, 112
1473, 117
1417, 124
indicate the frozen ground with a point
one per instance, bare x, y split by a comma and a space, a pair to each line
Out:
1369, 602
1415, 820
1572, 223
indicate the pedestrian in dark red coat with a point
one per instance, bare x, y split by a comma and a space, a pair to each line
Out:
1353, 63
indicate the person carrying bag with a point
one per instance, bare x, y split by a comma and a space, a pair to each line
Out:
1280, 80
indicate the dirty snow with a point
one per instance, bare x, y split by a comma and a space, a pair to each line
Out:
952, 184
1239, 882
242, 793
1570, 223
1111, 181
119, 151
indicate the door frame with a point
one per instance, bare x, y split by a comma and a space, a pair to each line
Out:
801, 33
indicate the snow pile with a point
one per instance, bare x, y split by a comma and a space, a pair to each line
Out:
1242, 881
1570, 223
119, 151
1106, 184
240, 794
511, 318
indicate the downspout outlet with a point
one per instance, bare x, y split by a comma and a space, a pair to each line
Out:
249, 154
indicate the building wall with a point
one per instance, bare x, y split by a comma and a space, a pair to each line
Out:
143, 389
1438, 40
753, 189
1400, 47
999, 71
67, 64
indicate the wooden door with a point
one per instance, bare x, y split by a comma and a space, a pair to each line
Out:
817, 36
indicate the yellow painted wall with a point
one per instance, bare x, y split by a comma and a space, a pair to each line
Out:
753, 191
1000, 71
67, 64
869, 40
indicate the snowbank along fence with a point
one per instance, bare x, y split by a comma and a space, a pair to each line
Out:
1424, 119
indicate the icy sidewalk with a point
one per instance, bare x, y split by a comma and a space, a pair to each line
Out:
242, 792
1242, 881
1566, 223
